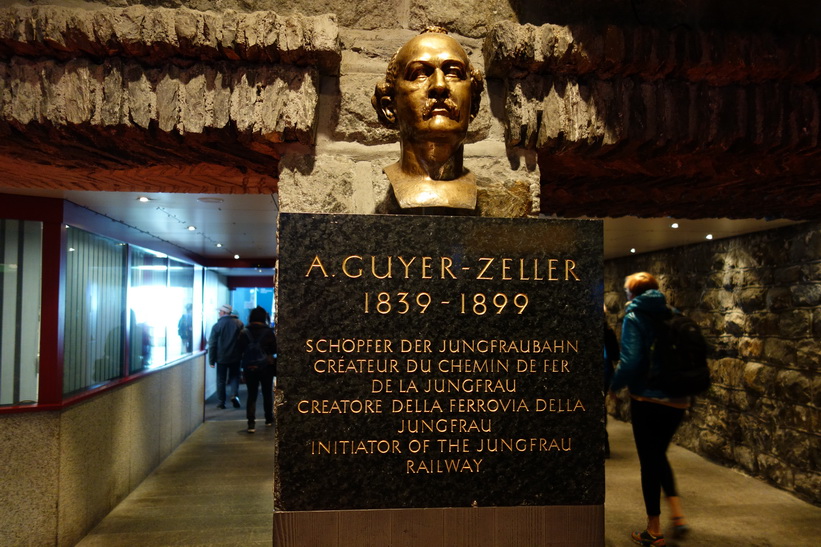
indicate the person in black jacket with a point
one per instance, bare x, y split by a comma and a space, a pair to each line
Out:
258, 366
223, 353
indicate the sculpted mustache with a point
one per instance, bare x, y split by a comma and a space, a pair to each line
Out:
448, 104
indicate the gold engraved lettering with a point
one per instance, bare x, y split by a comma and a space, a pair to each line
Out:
415, 406
446, 264
469, 385
533, 444
464, 406
345, 267
361, 366
443, 466
559, 405
418, 365
570, 269
388, 270
551, 269
341, 406
426, 268
414, 346
316, 263
522, 275
444, 425
343, 447
406, 265
506, 269
348, 345
453, 445
487, 262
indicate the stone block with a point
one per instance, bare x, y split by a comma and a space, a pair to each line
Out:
751, 348
795, 323
775, 470
808, 485
745, 458
751, 300
778, 351
779, 298
758, 378
464, 17
806, 295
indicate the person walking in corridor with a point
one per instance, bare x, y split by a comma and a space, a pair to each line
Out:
224, 354
258, 345
655, 414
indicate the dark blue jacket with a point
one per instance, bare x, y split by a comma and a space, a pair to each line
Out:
637, 334
223, 344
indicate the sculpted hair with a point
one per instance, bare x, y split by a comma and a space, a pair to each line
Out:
387, 87
640, 282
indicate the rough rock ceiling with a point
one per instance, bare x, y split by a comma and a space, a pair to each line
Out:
624, 121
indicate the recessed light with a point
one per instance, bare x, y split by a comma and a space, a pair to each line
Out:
709, 236
143, 199
236, 257
219, 245
71, 249
674, 225
210, 200
192, 228
633, 250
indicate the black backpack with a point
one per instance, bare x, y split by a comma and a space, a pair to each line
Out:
682, 352
254, 357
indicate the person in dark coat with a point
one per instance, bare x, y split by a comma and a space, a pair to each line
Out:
655, 415
224, 354
259, 373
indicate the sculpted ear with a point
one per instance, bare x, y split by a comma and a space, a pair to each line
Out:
387, 108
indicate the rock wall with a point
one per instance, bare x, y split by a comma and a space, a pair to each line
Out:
758, 299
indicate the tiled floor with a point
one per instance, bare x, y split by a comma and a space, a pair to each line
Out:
216, 489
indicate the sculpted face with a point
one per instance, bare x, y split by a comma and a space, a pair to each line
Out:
433, 89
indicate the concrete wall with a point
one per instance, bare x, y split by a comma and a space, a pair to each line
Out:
63, 471
758, 298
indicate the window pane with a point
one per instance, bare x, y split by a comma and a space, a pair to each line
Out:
95, 293
180, 294
149, 309
20, 277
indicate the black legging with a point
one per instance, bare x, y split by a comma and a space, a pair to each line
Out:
653, 428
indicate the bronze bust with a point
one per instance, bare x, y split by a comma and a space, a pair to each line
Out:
430, 94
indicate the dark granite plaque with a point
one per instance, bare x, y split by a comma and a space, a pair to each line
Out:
438, 362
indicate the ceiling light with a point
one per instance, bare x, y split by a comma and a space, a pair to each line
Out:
210, 200
192, 228
674, 225
236, 257
71, 249
709, 236
143, 199
633, 250
219, 245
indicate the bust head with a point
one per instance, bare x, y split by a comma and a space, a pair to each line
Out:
430, 94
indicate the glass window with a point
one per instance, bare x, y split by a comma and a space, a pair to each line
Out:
21, 244
181, 294
95, 300
148, 308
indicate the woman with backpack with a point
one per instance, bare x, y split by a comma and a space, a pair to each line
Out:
258, 346
655, 414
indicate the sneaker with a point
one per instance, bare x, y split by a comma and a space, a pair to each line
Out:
221, 406
680, 528
251, 430
647, 539
235, 402
269, 424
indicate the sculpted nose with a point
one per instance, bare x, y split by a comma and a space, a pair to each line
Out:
438, 88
